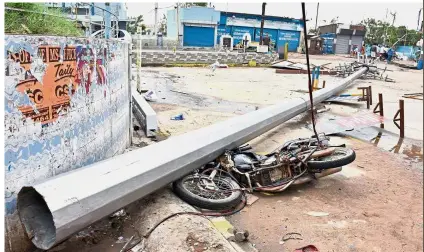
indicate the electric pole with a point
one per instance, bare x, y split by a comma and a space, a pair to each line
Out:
316, 20
385, 35
107, 21
156, 19
394, 17
117, 8
178, 23
262, 24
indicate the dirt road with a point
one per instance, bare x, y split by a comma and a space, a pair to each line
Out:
375, 204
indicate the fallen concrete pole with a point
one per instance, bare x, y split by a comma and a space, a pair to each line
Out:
62, 205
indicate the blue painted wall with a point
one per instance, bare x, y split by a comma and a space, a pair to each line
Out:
290, 37
272, 33
198, 36
222, 30
200, 14
210, 15
407, 50
237, 33
171, 24
192, 15
225, 15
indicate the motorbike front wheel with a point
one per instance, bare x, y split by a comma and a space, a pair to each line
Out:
340, 157
225, 193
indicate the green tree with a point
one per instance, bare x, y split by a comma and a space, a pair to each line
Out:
136, 22
38, 19
379, 32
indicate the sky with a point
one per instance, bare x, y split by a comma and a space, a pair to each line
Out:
407, 12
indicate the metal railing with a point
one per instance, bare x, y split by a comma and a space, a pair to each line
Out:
114, 28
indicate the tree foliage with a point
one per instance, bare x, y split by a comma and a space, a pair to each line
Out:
134, 23
38, 19
380, 32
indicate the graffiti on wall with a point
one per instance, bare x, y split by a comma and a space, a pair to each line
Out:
66, 106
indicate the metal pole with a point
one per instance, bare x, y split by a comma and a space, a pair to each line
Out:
117, 20
90, 30
385, 36
156, 19
316, 20
178, 25
56, 208
262, 24
402, 119
107, 21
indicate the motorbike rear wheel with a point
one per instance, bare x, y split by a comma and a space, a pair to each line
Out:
340, 157
226, 194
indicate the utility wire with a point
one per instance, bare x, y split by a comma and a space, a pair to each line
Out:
309, 72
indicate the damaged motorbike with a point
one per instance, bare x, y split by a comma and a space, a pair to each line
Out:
220, 184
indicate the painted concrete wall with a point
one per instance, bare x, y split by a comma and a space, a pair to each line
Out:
171, 24
197, 15
67, 105
151, 57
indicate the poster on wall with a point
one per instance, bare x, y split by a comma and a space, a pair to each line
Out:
238, 32
290, 37
48, 80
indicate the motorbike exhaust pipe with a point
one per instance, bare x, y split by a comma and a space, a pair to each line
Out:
309, 178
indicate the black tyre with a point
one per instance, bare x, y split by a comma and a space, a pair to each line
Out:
340, 157
191, 190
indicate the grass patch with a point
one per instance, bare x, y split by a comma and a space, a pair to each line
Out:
20, 22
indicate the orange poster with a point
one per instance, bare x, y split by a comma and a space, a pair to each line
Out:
48, 81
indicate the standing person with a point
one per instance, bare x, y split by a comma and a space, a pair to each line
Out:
364, 55
390, 54
383, 52
373, 51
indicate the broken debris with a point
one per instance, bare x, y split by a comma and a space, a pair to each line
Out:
251, 199
317, 214
178, 117
291, 236
151, 96
309, 248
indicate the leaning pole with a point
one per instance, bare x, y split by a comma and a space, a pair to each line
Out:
55, 209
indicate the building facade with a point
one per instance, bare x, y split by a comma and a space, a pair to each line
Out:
203, 27
340, 40
95, 13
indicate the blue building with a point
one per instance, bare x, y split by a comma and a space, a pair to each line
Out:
203, 27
